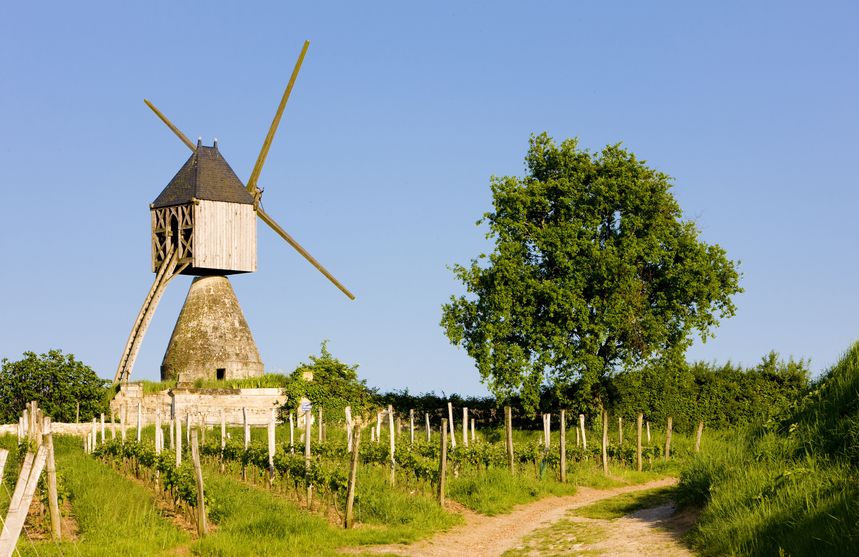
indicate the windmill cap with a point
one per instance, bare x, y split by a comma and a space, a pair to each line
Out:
205, 175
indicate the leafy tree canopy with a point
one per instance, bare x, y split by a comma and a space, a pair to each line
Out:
334, 385
593, 271
56, 381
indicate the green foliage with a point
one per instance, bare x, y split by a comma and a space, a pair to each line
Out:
722, 396
56, 381
627, 503
334, 386
593, 271
790, 485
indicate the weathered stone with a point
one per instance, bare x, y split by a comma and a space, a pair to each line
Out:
211, 339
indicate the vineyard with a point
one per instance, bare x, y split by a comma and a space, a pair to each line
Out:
260, 501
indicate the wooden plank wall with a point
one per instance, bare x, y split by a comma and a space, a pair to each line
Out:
224, 236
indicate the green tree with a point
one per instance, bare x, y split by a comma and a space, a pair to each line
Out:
330, 383
593, 271
56, 381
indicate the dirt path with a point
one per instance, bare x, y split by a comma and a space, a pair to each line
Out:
493, 535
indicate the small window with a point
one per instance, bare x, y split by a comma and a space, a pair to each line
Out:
221, 373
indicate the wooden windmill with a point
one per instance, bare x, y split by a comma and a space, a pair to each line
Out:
204, 224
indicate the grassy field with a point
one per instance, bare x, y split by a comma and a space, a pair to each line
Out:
117, 509
789, 487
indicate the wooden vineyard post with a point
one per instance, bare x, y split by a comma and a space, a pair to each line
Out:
223, 430
619, 431
171, 429
112, 425
428, 430
638, 422
349, 427
563, 442
578, 437
465, 427
668, 438
411, 426
605, 442
393, 447
103, 437
202, 526
698, 436
188, 428
582, 429
22, 497
547, 431
353, 476
473, 432
319, 426
123, 420
53, 502
271, 432
178, 424
307, 416
93, 433
139, 421
648, 432
450, 425
442, 462
508, 436
291, 434
158, 432
378, 429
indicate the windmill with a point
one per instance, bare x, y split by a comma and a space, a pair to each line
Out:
204, 225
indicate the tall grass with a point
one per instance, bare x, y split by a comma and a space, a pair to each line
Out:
787, 487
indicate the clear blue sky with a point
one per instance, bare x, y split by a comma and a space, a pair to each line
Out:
381, 166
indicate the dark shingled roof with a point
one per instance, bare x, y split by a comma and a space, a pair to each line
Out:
206, 175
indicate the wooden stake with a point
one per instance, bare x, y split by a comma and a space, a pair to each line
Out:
619, 431
450, 424
442, 462
247, 428
605, 442
307, 417
465, 427
648, 432
123, 420
319, 426
158, 432
668, 438
353, 477
578, 437
638, 422
428, 430
563, 442
393, 447
349, 427
411, 426
19, 506
508, 436
698, 436
53, 502
139, 421
473, 434
547, 430
202, 526
103, 439
178, 440
378, 426
582, 429
291, 434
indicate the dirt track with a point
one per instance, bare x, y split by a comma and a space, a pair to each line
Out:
493, 535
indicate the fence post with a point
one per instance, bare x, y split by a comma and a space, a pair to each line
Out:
450, 425
53, 503
638, 421
563, 440
473, 432
411, 426
698, 436
429, 431
319, 427
291, 434
393, 447
348, 412
202, 527
465, 427
442, 462
605, 442
668, 438
307, 416
139, 420
582, 429
620, 431
353, 476
508, 436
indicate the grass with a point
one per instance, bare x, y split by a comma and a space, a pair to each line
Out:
495, 491
624, 504
269, 380
789, 487
254, 521
115, 516
565, 537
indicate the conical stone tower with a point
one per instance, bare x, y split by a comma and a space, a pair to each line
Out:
211, 339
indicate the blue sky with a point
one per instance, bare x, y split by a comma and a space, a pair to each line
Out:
381, 166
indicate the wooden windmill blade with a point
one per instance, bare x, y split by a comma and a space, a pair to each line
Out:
292, 242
